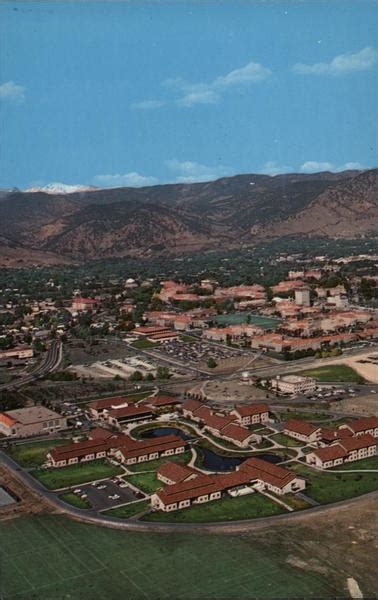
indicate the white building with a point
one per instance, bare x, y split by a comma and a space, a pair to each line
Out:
302, 297
293, 384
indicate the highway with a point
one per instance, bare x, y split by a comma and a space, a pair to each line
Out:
51, 361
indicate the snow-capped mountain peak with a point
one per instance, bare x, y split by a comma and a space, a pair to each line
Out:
61, 188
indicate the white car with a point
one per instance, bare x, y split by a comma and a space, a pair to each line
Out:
101, 487
77, 491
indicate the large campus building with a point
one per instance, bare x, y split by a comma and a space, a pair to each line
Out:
293, 384
33, 420
252, 475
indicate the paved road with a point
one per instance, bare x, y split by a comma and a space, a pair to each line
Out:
50, 362
91, 517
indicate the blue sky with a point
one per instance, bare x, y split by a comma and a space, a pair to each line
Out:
113, 94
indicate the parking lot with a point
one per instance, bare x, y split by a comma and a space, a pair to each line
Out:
198, 352
107, 493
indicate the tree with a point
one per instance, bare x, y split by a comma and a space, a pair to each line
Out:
136, 376
211, 363
162, 373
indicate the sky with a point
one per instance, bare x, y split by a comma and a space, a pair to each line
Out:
139, 93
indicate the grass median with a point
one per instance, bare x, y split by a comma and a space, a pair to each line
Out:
128, 510
227, 509
33, 454
76, 474
329, 486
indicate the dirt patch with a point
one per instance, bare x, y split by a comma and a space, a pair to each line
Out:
28, 503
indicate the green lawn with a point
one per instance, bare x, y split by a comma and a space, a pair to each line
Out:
75, 474
75, 500
329, 486
341, 373
228, 509
144, 344
286, 440
366, 463
147, 482
128, 510
48, 557
188, 338
152, 465
33, 454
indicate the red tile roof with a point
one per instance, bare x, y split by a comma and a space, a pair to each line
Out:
363, 424
105, 403
176, 472
216, 421
129, 411
248, 410
235, 432
301, 427
355, 443
161, 400
330, 453
191, 405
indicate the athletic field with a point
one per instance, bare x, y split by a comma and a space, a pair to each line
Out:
50, 557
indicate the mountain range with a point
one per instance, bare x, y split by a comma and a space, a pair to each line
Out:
52, 226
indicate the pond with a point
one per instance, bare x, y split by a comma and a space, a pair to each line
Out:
216, 462
159, 431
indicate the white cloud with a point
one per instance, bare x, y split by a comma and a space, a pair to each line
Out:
251, 73
132, 179
351, 166
148, 104
11, 91
313, 166
273, 168
341, 64
199, 97
191, 172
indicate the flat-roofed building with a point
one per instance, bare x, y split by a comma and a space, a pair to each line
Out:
293, 384
34, 420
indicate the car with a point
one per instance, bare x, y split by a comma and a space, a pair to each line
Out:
83, 496
78, 491
123, 485
101, 487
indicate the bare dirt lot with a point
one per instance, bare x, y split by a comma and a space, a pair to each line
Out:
364, 404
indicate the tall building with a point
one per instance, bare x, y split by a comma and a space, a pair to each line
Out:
302, 297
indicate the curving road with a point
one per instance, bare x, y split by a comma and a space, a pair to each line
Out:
91, 517
50, 362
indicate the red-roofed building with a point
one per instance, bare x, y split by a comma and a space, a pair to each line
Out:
346, 450
240, 436
253, 473
137, 451
302, 430
249, 414
99, 408
118, 417
171, 473
362, 426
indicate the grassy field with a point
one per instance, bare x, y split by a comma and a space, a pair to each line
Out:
75, 474
144, 344
331, 486
285, 440
128, 510
147, 482
227, 509
52, 558
152, 465
333, 373
75, 500
238, 318
33, 454
367, 463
